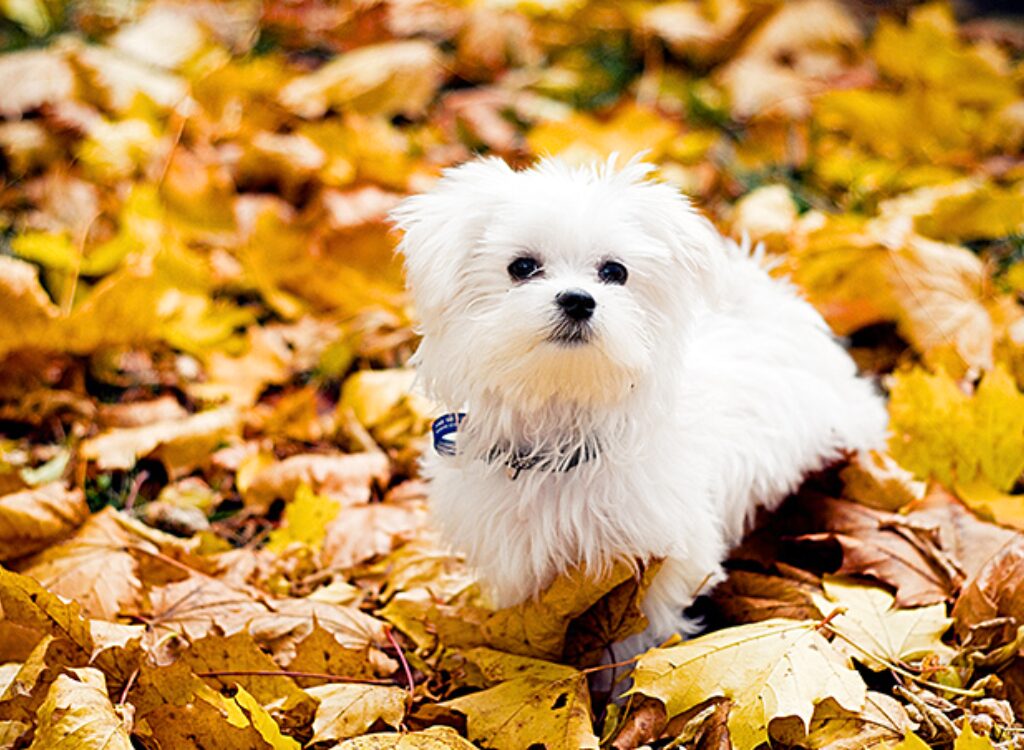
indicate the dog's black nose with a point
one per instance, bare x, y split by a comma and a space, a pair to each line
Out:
576, 303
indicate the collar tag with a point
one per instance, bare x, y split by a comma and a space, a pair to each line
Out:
444, 429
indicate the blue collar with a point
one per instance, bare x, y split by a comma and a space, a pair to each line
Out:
516, 460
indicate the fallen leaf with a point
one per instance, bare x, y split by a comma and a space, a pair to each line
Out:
345, 478
305, 521
885, 546
32, 78
877, 634
361, 532
434, 738
875, 479
270, 687
77, 713
393, 78
939, 431
348, 710
748, 596
183, 441
883, 720
969, 541
97, 566
532, 701
996, 591
770, 669
25, 603
35, 518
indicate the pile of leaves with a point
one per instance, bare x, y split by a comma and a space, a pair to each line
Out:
212, 533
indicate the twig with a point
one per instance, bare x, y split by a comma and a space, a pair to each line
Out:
284, 673
127, 687
402, 659
905, 672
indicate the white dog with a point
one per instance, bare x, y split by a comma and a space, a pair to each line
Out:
627, 383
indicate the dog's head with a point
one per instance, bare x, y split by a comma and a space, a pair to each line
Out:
553, 283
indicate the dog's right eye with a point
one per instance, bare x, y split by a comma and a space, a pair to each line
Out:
523, 268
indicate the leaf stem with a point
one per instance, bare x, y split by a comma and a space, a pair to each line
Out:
900, 670
286, 673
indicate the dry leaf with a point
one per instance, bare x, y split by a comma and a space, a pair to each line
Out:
33, 519
348, 710
392, 78
770, 669
883, 634
77, 713
532, 701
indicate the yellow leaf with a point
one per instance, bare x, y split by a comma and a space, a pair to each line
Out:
910, 742
384, 403
769, 669
883, 634
196, 434
389, 78
992, 504
24, 602
533, 702
938, 431
305, 520
581, 138
348, 710
969, 740
434, 738
35, 518
263, 722
78, 715
928, 51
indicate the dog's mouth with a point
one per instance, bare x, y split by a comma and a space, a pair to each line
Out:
571, 333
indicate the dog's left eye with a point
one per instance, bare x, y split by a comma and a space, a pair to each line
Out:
612, 272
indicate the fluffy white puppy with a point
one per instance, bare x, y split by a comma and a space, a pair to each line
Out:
626, 383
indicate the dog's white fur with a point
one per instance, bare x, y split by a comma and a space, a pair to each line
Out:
707, 388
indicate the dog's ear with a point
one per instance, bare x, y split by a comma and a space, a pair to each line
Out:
668, 216
441, 227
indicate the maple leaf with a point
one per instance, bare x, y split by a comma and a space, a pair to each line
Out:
434, 738
77, 713
348, 710
770, 669
531, 701
939, 431
35, 518
305, 521
883, 634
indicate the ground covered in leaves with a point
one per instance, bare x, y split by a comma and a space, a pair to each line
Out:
212, 533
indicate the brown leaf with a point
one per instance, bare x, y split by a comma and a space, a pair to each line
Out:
276, 691
888, 547
345, 478
32, 519
93, 567
322, 653
361, 532
968, 540
996, 591
644, 724
183, 442
748, 596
